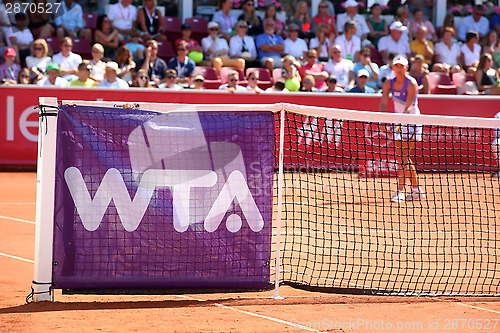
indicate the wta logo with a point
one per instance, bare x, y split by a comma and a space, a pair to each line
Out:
171, 152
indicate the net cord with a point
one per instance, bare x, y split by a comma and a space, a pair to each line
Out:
280, 205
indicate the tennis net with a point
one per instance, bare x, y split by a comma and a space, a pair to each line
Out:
340, 230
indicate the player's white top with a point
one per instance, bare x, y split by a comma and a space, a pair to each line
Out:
399, 97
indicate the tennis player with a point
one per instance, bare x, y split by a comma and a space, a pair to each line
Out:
495, 146
403, 89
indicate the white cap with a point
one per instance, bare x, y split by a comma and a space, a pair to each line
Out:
396, 25
112, 65
213, 24
351, 3
363, 72
399, 59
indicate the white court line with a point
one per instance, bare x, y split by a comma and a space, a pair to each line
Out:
15, 257
477, 307
14, 219
253, 314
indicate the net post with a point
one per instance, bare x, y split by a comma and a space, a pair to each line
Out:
42, 280
280, 203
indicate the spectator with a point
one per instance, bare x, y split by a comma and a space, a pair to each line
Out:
98, 66
71, 24
40, 21
4, 21
420, 73
193, 44
84, 79
475, 22
107, 36
269, 46
111, 79
53, 79
361, 87
303, 20
449, 22
422, 46
470, 52
198, 82
135, 47
19, 37
322, 42
495, 23
403, 16
270, 12
183, 65
66, 60
313, 68
125, 63
394, 42
490, 42
331, 85
308, 84
225, 18
251, 18
232, 82
342, 69
417, 22
169, 81
141, 79
279, 86
377, 25
216, 49
150, 21
24, 76
496, 55
123, 16
294, 45
350, 43
155, 66
486, 77
38, 60
290, 70
386, 71
370, 67
241, 45
324, 17
253, 78
9, 70
424, 5
352, 15
447, 53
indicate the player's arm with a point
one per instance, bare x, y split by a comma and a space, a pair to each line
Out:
386, 89
410, 98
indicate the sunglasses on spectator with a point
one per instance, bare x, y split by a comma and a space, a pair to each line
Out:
214, 29
38, 48
250, 4
142, 77
181, 49
170, 77
335, 52
253, 78
96, 51
198, 80
311, 56
362, 77
68, 45
233, 80
307, 82
366, 55
242, 26
24, 76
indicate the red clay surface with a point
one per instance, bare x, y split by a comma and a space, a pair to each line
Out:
241, 312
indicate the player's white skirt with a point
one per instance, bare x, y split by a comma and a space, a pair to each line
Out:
407, 132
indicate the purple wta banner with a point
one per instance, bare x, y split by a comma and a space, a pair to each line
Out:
179, 200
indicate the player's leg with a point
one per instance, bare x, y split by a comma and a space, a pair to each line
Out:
411, 172
399, 196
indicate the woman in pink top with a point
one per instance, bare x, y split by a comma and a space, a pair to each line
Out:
325, 17
278, 25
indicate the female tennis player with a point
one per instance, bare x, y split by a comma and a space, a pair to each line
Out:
404, 94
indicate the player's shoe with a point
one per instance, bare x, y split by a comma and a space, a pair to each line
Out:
399, 196
415, 195
496, 175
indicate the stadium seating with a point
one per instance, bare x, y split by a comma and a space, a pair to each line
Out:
276, 74
90, 20
198, 27
172, 28
82, 47
211, 79
166, 50
225, 70
265, 80
375, 56
53, 43
440, 83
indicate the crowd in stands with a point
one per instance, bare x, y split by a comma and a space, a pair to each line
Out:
133, 46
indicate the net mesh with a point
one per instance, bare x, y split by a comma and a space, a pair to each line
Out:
341, 231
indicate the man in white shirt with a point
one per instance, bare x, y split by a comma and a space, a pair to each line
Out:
123, 16
52, 79
341, 68
19, 37
111, 80
68, 61
232, 82
241, 45
394, 43
70, 22
349, 42
351, 14
475, 22
294, 45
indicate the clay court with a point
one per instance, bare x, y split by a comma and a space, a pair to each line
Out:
235, 312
